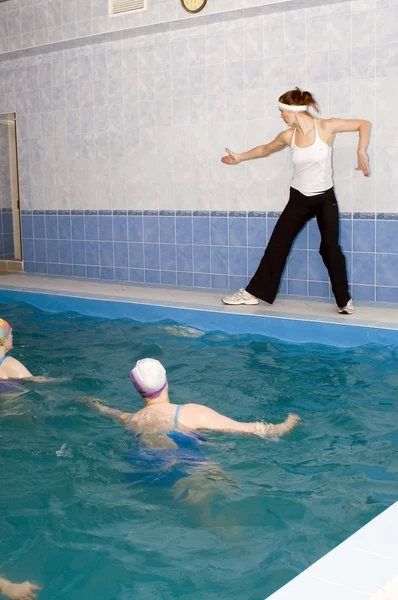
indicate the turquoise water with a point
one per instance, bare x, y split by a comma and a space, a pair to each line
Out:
71, 520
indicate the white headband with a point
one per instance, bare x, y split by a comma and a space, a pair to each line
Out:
293, 107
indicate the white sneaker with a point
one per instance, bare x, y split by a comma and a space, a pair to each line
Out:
348, 309
240, 297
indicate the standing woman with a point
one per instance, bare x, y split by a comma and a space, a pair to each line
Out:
311, 195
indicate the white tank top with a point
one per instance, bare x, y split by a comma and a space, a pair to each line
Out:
312, 166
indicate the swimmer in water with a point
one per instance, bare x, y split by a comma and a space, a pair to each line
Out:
170, 451
160, 416
18, 591
11, 368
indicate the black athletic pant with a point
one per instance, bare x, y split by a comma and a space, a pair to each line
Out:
298, 211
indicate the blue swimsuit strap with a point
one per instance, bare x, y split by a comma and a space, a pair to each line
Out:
2, 359
177, 412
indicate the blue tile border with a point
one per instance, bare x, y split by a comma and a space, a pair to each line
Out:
129, 246
199, 213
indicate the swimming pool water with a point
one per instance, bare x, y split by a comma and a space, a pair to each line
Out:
71, 520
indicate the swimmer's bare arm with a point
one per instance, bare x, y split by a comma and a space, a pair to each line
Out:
13, 369
150, 438
97, 404
196, 416
18, 591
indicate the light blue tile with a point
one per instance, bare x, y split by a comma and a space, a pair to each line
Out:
136, 255
219, 231
77, 222
238, 261
27, 226
137, 275
29, 267
92, 253
168, 261
237, 231
363, 268
257, 231
79, 270
53, 268
64, 227
151, 257
298, 264
219, 260
387, 269
318, 289
167, 232
237, 281
254, 256
220, 282
185, 279
168, 277
9, 245
51, 227
184, 230
107, 273
363, 236
151, 228
39, 230
6, 221
40, 250
92, 272
65, 270
184, 259
135, 229
121, 254
152, 276
317, 270
65, 252
120, 228
201, 230
363, 292
297, 287
387, 294
122, 274
387, 236
202, 280
41, 267
105, 232
78, 253
201, 259
106, 254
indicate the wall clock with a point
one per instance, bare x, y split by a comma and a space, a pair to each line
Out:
193, 6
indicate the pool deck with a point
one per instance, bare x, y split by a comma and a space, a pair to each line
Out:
368, 314
363, 567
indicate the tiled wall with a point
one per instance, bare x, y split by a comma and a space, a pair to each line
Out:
6, 234
6, 228
132, 130
37, 23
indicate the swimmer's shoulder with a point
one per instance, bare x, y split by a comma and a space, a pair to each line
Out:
11, 368
191, 414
